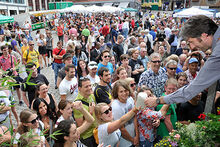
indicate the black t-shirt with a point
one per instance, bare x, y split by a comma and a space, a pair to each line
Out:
187, 111
135, 64
118, 49
30, 89
102, 94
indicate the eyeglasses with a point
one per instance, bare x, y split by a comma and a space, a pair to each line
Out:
34, 120
106, 56
133, 84
172, 68
156, 61
108, 110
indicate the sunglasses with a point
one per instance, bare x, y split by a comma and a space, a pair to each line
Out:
132, 85
108, 110
106, 56
93, 65
34, 120
31, 44
156, 61
172, 68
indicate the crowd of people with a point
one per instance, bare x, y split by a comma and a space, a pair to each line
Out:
101, 62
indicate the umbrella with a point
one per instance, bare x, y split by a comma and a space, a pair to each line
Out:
193, 11
6, 19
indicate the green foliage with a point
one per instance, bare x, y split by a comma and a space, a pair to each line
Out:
201, 133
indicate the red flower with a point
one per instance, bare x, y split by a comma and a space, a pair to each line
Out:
202, 116
218, 113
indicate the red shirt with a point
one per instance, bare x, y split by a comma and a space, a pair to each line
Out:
55, 52
105, 30
59, 31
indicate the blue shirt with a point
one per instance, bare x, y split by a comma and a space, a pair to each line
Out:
109, 66
153, 34
154, 81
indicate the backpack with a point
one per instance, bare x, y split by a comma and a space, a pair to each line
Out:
149, 49
28, 54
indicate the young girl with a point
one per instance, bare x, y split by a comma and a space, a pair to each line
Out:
42, 49
46, 116
108, 130
29, 121
82, 70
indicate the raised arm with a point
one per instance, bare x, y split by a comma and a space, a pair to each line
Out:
120, 122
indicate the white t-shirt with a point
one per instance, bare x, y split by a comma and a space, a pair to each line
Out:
94, 81
108, 139
69, 88
4, 101
118, 110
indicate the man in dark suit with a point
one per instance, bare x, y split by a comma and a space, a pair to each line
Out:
95, 53
173, 40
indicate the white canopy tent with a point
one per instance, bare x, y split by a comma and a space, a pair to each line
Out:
193, 11
110, 9
75, 8
123, 4
92, 9
218, 15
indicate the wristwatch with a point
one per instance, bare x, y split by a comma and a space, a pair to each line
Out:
158, 101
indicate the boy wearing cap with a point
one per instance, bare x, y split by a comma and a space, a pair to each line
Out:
192, 69
92, 67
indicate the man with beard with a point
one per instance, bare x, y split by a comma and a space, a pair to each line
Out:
68, 88
103, 89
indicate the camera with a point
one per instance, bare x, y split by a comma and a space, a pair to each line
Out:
161, 37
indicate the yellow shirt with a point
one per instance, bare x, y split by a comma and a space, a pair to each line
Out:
24, 48
32, 57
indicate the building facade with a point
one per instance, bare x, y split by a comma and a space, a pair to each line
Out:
13, 7
38, 5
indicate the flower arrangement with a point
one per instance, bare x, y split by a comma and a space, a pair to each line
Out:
201, 133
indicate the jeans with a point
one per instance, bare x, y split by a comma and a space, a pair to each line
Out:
145, 143
57, 67
125, 33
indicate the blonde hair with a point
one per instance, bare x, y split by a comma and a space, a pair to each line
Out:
98, 112
173, 57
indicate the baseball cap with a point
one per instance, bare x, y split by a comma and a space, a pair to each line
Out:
192, 60
92, 64
67, 56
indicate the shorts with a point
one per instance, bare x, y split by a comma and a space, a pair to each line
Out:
49, 53
18, 81
42, 50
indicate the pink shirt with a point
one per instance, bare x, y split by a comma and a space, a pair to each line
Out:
73, 31
5, 63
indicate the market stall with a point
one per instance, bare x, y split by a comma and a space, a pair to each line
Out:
6, 19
